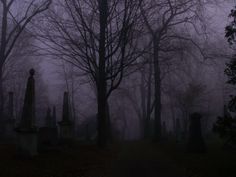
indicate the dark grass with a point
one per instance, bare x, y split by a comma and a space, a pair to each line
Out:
166, 159
77, 160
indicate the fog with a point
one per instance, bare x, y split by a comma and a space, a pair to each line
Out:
140, 84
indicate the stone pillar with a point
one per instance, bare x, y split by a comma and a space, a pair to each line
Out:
196, 143
48, 119
54, 126
26, 130
66, 125
47, 135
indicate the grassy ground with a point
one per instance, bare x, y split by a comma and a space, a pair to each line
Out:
79, 160
126, 160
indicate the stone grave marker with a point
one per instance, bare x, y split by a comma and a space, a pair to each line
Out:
66, 125
26, 130
196, 142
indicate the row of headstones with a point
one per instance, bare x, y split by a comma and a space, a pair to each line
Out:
29, 138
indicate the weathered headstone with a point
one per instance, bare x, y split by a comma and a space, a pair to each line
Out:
66, 125
26, 130
47, 135
9, 123
196, 143
48, 119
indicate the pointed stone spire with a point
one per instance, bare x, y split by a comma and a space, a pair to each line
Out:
28, 114
66, 126
26, 131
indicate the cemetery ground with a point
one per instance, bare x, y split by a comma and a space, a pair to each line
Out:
119, 160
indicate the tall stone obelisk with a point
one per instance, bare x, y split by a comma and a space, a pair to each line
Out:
66, 125
27, 131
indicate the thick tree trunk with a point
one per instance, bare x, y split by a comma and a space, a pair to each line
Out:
148, 110
102, 115
143, 105
157, 94
101, 81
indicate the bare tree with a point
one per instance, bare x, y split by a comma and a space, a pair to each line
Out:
11, 28
162, 20
100, 38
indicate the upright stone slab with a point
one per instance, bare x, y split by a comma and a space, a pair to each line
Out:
54, 126
196, 143
47, 136
48, 119
9, 122
66, 125
26, 130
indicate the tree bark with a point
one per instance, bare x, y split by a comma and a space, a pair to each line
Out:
143, 104
101, 81
157, 96
148, 109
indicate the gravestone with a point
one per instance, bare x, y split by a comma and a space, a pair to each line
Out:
26, 130
9, 123
196, 143
47, 136
54, 126
66, 125
48, 119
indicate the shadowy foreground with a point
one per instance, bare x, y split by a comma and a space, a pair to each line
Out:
139, 159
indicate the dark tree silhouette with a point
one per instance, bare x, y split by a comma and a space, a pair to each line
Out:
99, 38
160, 18
11, 28
225, 126
230, 30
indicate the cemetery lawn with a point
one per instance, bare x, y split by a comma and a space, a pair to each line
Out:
129, 159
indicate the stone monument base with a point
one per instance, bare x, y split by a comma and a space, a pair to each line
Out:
9, 132
27, 142
47, 137
66, 130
